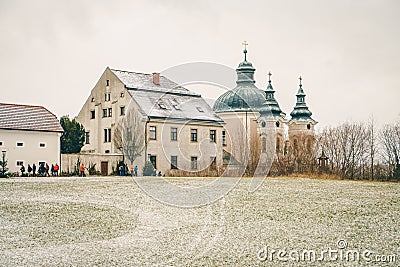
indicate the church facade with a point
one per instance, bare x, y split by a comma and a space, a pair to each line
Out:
254, 115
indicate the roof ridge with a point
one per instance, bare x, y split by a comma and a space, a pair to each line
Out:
135, 72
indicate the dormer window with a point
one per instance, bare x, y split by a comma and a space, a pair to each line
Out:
263, 124
122, 94
92, 99
108, 83
176, 107
162, 105
200, 109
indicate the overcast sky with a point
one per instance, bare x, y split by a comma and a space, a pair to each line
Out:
53, 52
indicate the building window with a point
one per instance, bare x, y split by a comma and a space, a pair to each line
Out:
213, 134
108, 83
263, 124
308, 126
193, 135
107, 135
110, 112
122, 95
174, 162
200, 109
105, 112
92, 114
176, 107
92, 99
278, 124
107, 97
223, 138
87, 136
264, 144
121, 111
174, 134
153, 133
1, 143
42, 145
20, 144
20, 162
193, 161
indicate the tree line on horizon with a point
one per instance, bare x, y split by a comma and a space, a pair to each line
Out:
353, 150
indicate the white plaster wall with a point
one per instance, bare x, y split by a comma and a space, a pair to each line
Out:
31, 152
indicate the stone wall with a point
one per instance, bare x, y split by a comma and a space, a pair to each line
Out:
69, 161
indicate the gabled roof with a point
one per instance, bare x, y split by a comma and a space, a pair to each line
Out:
24, 117
167, 100
136, 80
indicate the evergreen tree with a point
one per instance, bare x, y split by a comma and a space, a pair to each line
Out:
73, 137
3, 169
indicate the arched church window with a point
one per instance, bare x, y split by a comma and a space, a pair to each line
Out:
264, 144
263, 124
278, 145
308, 126
278, 124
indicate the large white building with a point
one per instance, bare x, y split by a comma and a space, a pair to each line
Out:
29, 134
181, 130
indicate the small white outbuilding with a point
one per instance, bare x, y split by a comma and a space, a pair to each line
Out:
28, 135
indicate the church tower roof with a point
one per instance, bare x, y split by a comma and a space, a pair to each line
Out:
300, 110
271, 107
245, 95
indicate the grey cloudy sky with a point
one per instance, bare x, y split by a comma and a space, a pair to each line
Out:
53, 52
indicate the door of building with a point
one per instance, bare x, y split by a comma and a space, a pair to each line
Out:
153, 160
104, 168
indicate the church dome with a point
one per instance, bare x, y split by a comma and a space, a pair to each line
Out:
240, 98
245, 95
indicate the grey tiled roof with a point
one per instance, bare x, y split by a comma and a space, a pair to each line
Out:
24, 117
167, 100
137, 80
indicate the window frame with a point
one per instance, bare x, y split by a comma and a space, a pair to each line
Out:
194, 133
107, 135
213, 136
92, 114
151, 131
174, 134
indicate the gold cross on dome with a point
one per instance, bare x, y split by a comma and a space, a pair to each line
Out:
269, 76
300, 79
245, 44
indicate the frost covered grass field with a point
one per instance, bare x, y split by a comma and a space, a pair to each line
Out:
111, 221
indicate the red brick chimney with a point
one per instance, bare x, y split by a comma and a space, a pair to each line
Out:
156, 78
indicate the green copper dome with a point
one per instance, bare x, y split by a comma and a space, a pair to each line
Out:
245, 95
301, 111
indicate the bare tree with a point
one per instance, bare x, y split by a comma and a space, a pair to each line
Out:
132, 135
372, 144
390, 137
